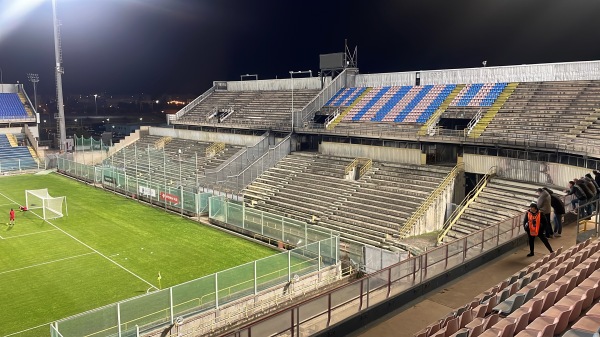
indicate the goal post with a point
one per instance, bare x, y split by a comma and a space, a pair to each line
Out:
51, 207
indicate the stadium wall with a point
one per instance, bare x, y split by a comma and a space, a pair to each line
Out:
309, 83
227, 138
570, 71
544, 173
377, 153
4, 131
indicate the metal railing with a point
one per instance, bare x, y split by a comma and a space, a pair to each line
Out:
332, 117
364, 163
425, 205
474, 121
583, 146
305, 114
465, 204
335, 305
237, 163
236, 183
191, 105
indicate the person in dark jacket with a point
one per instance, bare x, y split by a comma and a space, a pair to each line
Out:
559, 210
589, 180
534, 224
579, 196
545, 207
589, 195
597, 177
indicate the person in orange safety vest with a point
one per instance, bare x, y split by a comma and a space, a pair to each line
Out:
535, 224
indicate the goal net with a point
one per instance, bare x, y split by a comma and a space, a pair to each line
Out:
40, 201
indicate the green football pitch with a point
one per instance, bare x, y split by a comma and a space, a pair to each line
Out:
107, 249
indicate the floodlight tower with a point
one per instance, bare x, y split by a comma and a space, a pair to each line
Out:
34, 79
60, 117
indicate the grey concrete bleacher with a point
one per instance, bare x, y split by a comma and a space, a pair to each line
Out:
547, 109
179, 158
248, 107
370, 210
501, 199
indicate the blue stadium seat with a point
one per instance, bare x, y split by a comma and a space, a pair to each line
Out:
11, 106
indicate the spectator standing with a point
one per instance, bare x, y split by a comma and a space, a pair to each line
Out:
534, 224
579, 197
545, 207
559, 210
589, 195
597, 177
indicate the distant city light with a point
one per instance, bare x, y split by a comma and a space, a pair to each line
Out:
176, 102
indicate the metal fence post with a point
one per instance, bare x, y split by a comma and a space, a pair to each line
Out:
319, 254
216, 291
289, 265
119, 319
171, 302
255, 279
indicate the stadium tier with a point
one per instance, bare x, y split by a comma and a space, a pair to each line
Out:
248, 107
543, 299
499, 200
313, 188
164, 160
14, 157
11, 106
407, 104
548, 109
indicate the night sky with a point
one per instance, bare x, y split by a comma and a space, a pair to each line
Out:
181, 46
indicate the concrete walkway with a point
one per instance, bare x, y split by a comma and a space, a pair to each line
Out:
418, 314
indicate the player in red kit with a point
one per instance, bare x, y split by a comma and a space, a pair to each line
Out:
12, 217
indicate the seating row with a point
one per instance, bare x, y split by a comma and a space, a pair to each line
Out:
541, 300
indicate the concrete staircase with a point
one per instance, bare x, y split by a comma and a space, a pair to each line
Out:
341, 116
493, 110
434, 119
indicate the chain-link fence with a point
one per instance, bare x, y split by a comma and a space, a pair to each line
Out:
158, 193
128, 318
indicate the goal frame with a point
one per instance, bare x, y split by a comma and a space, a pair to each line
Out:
45, 198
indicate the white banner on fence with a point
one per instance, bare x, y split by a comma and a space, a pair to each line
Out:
146, 191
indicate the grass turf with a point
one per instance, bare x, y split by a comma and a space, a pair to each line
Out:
107, 249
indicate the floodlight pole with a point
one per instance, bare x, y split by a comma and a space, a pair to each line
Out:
59, 92
34, 79
292, 73
96, 103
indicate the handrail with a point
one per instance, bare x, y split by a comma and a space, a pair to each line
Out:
474, 121
332, 117
192, 104
366, 167
405, 230
214, 149
460, 209
350, 166
322, 97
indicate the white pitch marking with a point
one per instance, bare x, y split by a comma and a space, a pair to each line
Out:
40, 232
104, 256
43, 263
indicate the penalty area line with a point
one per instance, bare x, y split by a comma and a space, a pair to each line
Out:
44, 263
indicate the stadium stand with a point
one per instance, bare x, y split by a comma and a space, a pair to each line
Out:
543, 299
499, 200
14, 157
248, 107
11, 106
312, 187
408, 104
162, 159
548, 110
